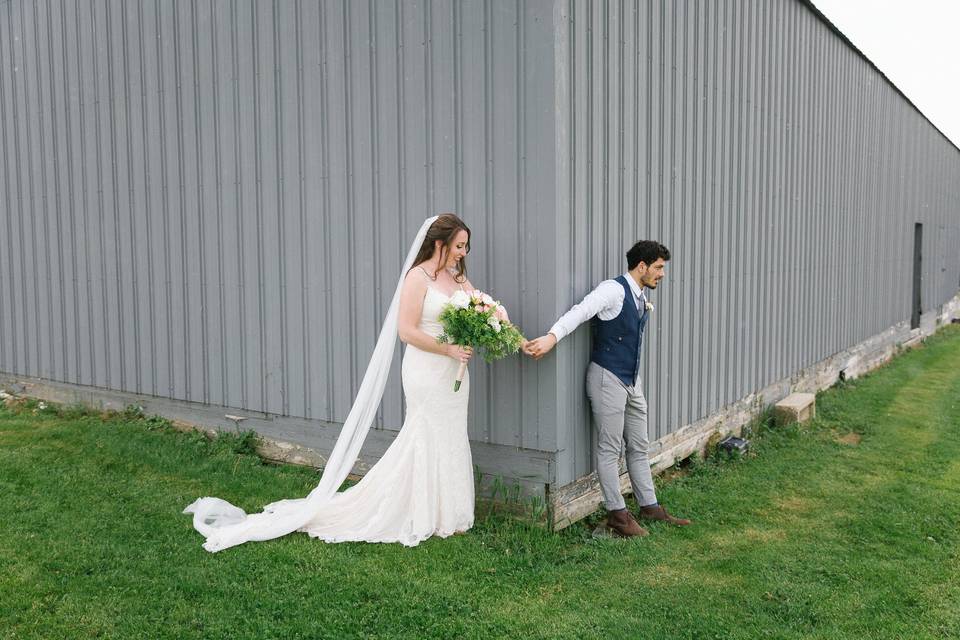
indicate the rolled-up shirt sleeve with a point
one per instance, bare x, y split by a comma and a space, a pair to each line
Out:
606, 301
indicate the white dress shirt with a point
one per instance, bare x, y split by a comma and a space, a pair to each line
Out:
605, 302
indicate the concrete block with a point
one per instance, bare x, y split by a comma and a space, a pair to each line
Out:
796, 407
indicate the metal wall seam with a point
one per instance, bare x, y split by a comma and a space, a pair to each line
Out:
118, 222
133, 213
222, 352
107, 307
45, 284
324, 351
807, 289
750, 254
490, 178
8, 322
89, 343
764, 214
672, 341
524, 435
181, 248
31, 284
705, 209
376, 210
774, 211
149, 239
276, 312
200, 276
175, 377
58, 347
833, 250
694, 329
735, 299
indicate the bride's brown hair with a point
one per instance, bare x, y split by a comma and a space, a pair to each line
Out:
445, 228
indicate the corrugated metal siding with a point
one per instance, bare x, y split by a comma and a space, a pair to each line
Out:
210, 200
781, 170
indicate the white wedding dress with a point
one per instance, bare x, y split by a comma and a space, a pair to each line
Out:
423, 484
421, 487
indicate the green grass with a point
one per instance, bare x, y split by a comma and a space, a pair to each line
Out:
807, 537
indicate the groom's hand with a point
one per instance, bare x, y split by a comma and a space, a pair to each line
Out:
539, 347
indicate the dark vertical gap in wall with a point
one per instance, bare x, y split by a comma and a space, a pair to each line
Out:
917, 274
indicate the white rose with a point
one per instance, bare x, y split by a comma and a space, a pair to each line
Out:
460, 299
495, 323
487, 299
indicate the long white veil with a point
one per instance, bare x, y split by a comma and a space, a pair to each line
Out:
225, 525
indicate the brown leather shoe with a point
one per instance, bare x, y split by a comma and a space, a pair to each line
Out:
658, 512
623, 524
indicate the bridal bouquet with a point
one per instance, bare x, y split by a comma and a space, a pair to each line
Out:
474, 319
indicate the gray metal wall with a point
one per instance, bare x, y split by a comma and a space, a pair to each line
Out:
210, 200
783, 172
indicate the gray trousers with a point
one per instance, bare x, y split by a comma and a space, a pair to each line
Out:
620, 421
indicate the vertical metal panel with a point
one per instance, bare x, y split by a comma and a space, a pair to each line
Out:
783, 172
38, 55
8, 316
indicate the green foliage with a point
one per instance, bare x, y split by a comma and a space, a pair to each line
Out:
807, 537
157, 423
133, 412
244, 443
469, 327
76, 411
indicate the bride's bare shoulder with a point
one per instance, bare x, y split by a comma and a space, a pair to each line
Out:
415, 280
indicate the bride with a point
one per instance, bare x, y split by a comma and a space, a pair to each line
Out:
423, 484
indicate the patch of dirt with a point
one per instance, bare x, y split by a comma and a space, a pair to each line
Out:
672, 473
794, 504
14, 403
852, 439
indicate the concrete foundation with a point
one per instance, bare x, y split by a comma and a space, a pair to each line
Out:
796, 407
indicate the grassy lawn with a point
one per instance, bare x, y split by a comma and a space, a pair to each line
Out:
847, 528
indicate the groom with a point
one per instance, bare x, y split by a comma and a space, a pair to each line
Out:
620, 311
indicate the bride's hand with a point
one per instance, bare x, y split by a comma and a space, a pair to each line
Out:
539, 347
458, 352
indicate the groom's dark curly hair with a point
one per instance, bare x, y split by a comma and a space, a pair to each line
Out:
647, 252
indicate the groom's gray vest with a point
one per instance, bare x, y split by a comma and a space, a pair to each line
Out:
616, 343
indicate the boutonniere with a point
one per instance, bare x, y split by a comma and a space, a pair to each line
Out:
647, 305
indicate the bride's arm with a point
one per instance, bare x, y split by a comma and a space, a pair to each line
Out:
408, 321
